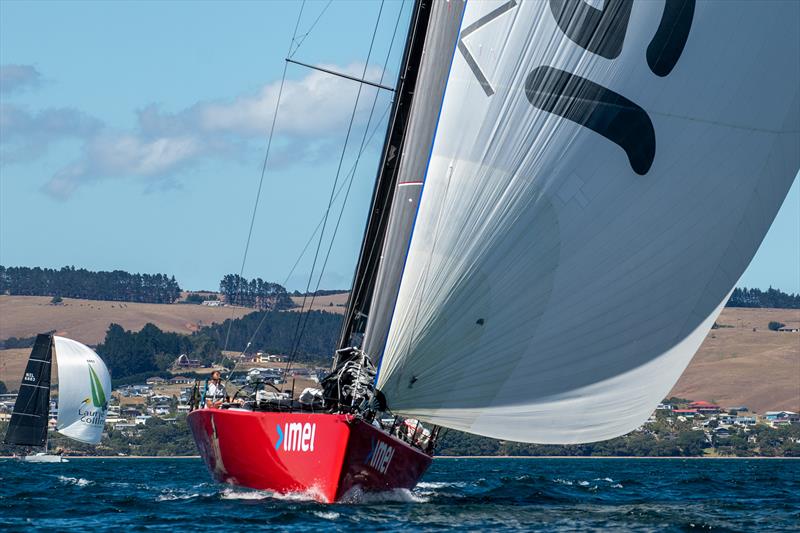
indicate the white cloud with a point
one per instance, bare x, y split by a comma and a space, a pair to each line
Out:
17, 77
314, 111
25, 135
113, 155
318, 104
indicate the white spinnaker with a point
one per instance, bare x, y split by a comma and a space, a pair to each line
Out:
84, 387
552, 293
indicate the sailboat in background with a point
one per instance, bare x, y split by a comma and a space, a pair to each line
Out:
566, 198
84, 387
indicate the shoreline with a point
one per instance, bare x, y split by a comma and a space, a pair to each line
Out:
670, 457
616, 457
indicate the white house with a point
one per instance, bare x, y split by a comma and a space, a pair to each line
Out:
142, 419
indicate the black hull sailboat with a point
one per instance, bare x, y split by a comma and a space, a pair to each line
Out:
84, 389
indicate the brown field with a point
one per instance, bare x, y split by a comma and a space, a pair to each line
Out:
739, 366
333, 303
87, 320
746, 364
12, 365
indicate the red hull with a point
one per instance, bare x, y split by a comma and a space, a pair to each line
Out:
322, 454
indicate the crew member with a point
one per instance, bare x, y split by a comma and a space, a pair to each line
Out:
215, 392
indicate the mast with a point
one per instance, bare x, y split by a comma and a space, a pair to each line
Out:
369, 258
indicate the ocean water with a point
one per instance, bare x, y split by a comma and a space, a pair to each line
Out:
465, 494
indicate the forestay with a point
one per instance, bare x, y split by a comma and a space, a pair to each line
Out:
601, 175
84, 387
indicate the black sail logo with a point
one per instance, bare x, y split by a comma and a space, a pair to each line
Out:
602, 110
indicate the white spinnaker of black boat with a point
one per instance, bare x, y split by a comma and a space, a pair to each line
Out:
84, 388
590, 201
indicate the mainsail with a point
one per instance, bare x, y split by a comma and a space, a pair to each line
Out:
28, 425
601, 174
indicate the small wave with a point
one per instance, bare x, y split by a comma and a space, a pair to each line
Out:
327, 515
231, 494
312, 494
169, 496
608, 479
616, 486
562, 481
440, 484
357, 495
583, 483
77, 481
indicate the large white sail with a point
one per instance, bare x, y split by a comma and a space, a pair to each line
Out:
601, 175
84, 387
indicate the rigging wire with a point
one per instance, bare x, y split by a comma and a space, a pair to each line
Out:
351, 173
344, 202
297, 332
304, 36
263, 172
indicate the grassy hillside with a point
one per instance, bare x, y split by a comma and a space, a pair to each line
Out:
88, 320
747, 364
331, 303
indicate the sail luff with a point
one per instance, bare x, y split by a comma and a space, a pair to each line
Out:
29, 419
375, 231
440, 49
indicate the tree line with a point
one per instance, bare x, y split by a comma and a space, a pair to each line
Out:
129, 353
277, 333
150, 350
159, 437
775, 298
256, 293
662, 438
71, 282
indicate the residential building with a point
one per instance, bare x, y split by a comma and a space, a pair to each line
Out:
790, 416
142, 419
183, 361
705, 408
745, 421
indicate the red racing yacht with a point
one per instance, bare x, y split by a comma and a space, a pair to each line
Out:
345, 438
288, 446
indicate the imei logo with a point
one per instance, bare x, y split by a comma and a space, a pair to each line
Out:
29, 377
296, 437
380, 456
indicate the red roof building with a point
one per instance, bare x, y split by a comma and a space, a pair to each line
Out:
705, 407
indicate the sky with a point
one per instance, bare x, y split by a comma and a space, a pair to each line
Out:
133, 134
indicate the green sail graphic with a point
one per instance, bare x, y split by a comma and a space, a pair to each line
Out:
98, 394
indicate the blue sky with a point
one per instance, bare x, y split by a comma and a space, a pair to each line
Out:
133, 134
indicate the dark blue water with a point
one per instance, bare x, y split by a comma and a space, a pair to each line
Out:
467, 494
